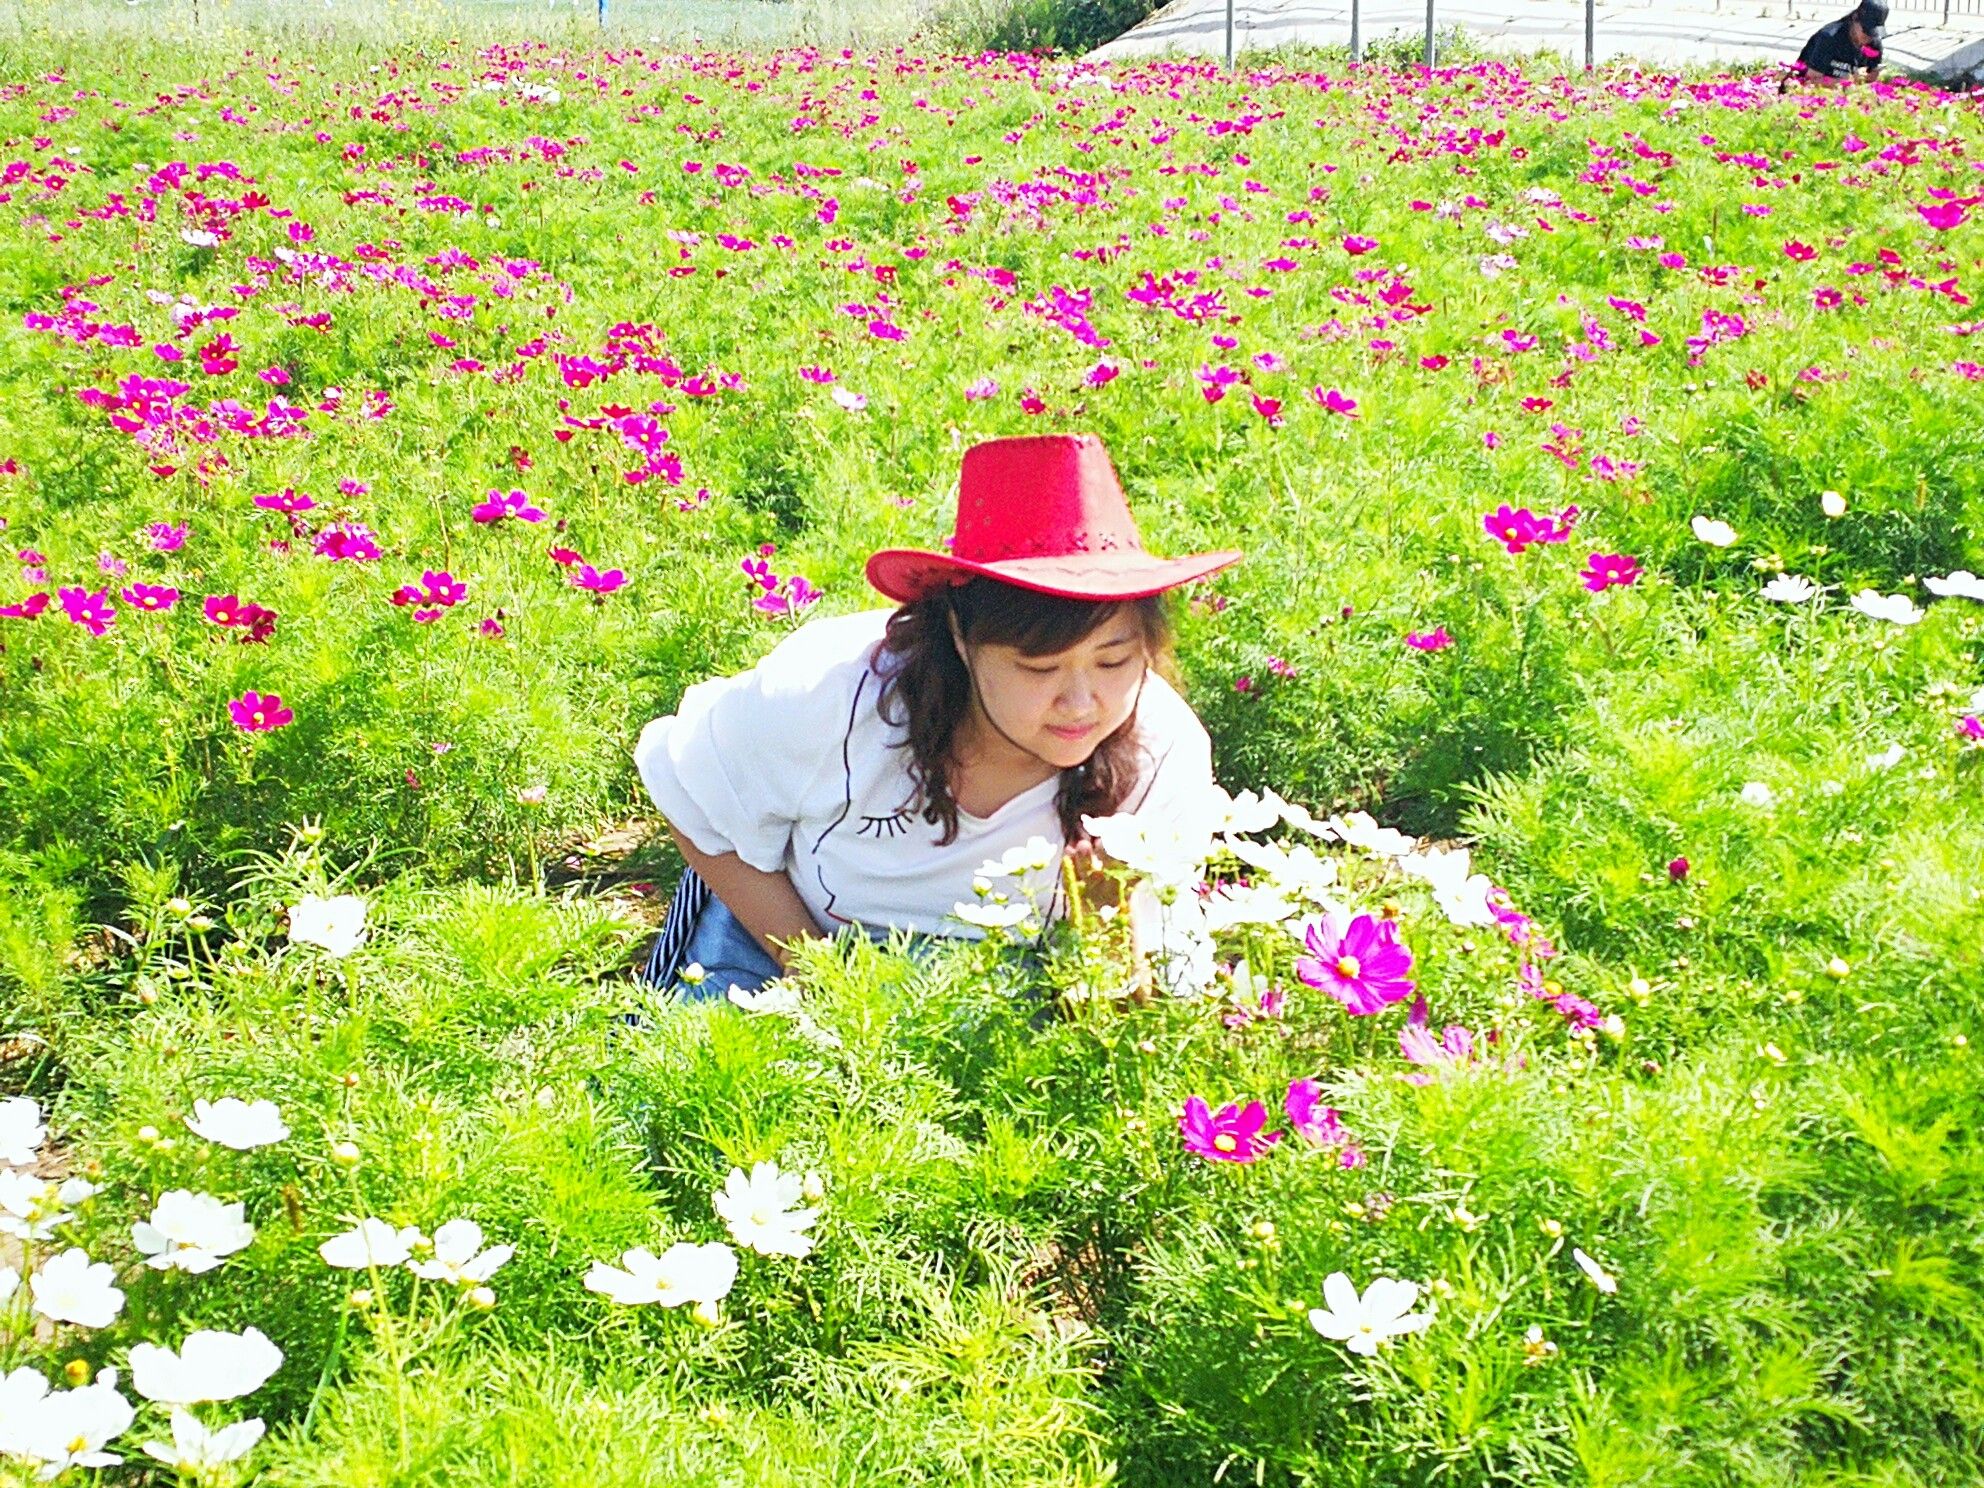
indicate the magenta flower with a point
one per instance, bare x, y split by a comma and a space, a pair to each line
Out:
150, 596
1436, 639
1971, 727
1516, 528
89, 608
502, 505
347, 540
222, 609
1607, 569
1356, 244
1943, 216
591, 579
1362, 965
167, 537
1677, 869
563, 557
288, 499
1318, 1124
436, 591
1454, 1049
257, 713
1232, 1134
26, 609
1333, 401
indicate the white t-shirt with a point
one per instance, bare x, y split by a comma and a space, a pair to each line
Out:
788, 765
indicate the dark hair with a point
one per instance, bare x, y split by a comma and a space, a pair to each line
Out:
924, 676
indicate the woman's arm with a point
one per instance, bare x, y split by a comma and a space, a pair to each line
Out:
766, 904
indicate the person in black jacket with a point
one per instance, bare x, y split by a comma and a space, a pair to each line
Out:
1840, 49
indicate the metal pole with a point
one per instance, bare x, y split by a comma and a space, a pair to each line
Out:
1429, 35
1356, 34
1229, 36
1590, 31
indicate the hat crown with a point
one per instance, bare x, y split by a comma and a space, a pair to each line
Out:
1040, 496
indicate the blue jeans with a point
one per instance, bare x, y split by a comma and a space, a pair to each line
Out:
730, 955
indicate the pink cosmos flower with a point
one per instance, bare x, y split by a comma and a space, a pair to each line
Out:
502, 505
1799, 252
26, 609
1356, 244
150, 596
1971, 727
1232, 1134
1435, 639
1516, 528
257, 713
1943, 216
288, 499
980, 390
1677, 869
1334, 401
1454, 1049
590, 578
347, 540
1361, 963
89, 608
1318, 1124
166, 537
222, 609
1607, 569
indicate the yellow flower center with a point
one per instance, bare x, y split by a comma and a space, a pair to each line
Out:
1224, 1142
78, 1445
1347, 967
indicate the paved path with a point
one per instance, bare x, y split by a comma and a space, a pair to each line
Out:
1660, 32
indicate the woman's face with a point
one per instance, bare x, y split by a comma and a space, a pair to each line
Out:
1061, 707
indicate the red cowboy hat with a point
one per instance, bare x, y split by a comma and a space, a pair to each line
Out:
1044, 512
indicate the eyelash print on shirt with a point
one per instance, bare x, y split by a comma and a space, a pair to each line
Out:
879, 827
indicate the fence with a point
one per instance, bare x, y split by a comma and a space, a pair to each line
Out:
1903, 9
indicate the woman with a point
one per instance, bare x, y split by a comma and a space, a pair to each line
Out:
861, 773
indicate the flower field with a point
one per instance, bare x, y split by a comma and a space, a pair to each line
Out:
1561, 1066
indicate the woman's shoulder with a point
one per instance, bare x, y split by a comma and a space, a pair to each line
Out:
823, 652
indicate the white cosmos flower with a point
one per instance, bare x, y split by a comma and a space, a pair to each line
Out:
1832, 503
235, 1123
210, 1365
1756, 793
1715, 534
999, 914
1176, 939
1035, 855
370, 1242
1171, 849
1896, 609
852, 401
682, 1273
196, 1449
1362, 1323
199, 237
192, 1232
459, 1256
1963, 584
778, 996
1359, 829
21, 1395
1600, 1277
1297, 870
760, 1214
1461, 895
31, 1207
336, 924
1247, 812
71, 1288
1888, 758
1790, 589
1256, 904
69, 1427
21, 1130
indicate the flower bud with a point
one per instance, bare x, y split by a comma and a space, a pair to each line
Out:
1837, 969
180, 907
693, 973
147, 1134
360, 1297
481, 1298
812, 1188
707, 1313
77, 1372
345, 1154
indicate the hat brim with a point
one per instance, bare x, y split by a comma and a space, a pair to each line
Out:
909, 574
